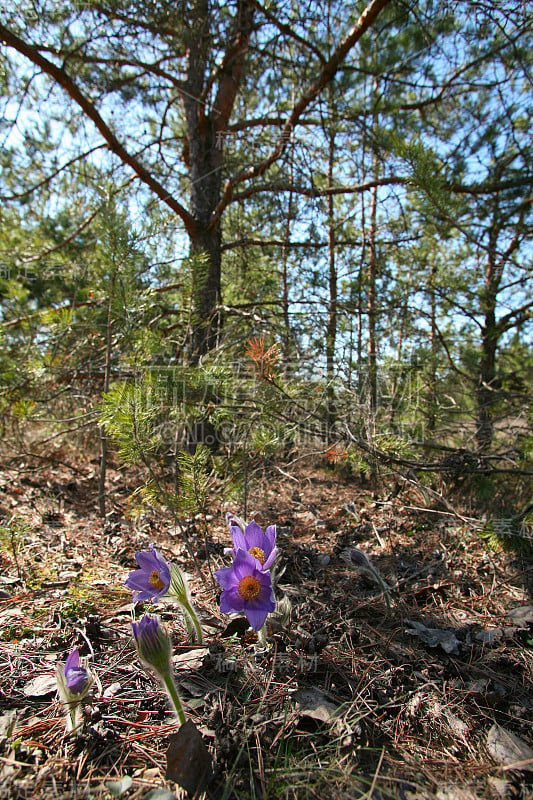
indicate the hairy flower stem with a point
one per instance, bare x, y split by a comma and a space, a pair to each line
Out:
174, 697
382, 585
74, 717
261, 636
193, 616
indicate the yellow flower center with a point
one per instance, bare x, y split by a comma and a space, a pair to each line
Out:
155, 580
249, 588
256, 552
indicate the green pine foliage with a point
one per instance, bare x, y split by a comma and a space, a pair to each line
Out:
429, 117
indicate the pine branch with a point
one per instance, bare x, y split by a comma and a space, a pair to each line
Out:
326, 75
314, 191
6, 198
288, 30
88, 107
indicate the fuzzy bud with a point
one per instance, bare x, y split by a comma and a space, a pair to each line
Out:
153, 644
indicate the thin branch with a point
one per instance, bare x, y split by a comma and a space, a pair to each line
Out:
314, 191
288, 30
6, 198
515, 318
86, 222
67, 307
327, 73
486, 187
87, 106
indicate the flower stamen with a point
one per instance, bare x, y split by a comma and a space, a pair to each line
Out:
258, 553
155, 580
249, 588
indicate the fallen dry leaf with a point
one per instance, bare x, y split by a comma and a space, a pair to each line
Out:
508, 749
188, 760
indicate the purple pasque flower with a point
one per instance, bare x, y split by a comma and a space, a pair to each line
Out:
246, 589
76, 678
251, 539
152, 580
153, 644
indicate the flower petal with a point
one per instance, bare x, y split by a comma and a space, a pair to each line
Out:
77, 679
147, 560
150, 560
244, 565
73, 660
256, 617
270, 560
226, 577
231, 601
265, 600
139, 581
239, 539
142, 596
254, 536
142, 589
270, 534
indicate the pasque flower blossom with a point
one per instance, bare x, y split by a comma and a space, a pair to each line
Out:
152, 580
251, 539
76, 678
246, 589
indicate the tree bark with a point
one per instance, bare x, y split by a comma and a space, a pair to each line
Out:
331, 327
205, 147
489, 343
371, 302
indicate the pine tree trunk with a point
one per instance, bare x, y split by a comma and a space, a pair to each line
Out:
204, 154
486, 385
487, 381
206, 318
434, 345
371, 303
331, 328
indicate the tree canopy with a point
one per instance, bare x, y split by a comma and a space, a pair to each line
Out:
354, 182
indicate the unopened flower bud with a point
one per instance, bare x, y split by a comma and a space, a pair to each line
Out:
73, 684
153, 644
356, 558
73, 681
179, 588
155, 650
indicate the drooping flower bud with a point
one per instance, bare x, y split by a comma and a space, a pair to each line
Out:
179, 587
179, 591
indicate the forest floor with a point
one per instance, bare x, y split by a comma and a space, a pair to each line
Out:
432, 698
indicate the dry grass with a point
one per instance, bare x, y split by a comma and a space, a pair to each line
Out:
400, 718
